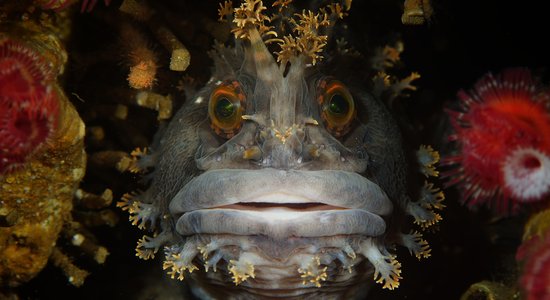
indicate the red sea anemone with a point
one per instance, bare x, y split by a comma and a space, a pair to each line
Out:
28, 106
503, 137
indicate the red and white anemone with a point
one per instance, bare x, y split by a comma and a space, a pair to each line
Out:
502, 133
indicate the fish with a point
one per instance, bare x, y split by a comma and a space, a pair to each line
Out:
282, 177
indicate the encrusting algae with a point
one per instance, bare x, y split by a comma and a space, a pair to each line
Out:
40, 194
37, 189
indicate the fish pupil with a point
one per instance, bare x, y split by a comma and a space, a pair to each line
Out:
225, 108
338, 105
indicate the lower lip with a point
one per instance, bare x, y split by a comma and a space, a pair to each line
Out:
281, 222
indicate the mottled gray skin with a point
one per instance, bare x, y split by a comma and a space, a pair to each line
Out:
195, 169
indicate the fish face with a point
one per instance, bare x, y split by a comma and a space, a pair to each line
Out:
280, 206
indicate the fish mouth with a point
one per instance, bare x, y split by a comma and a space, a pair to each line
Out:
290, 207
281, 204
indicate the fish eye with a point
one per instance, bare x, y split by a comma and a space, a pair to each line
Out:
337, 107
225, 109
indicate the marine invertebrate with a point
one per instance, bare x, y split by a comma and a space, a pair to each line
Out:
37, 198
416, 12
503, 136
140, 11
41, 196
88, 5
28, 106
280, 177
55, 4
141, 59
534, 253
489, 290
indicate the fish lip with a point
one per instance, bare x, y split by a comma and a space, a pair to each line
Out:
281, 224
342, 189
226, 202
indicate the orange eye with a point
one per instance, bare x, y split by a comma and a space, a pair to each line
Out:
225, 109
337, 107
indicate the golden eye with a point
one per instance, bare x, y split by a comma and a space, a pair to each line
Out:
225, 109
337, 107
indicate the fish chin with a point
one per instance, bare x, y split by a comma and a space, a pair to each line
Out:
257, 267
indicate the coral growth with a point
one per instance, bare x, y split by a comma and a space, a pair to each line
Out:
55, 4
142, 61
28, 106
42, 158
416, 12
88, 5
534, 253
503, 137
41, 196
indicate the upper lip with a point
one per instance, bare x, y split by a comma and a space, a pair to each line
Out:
292, 189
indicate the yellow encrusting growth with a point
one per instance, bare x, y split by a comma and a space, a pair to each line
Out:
142, 74
312, 273
75, 275
203, 250
253, 153
176, 266
431, 197
423, 216
127, 162
428, 158
387, 57
250, 15
307, 41
305, 37
387, 270
416, 12
142, 251
537, 225
416, 244
141, 59
398, 87
390, 281
240, 271
155, 101
140, 214
225, 11
385, 85
282, 4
